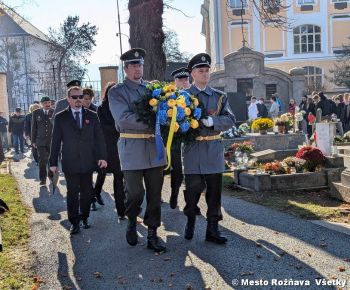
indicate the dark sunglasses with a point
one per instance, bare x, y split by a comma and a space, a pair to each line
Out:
75, 97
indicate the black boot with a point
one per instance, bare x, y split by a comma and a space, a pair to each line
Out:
213, 234
153, 241
93, 206
131, 234
189, 230
173, 197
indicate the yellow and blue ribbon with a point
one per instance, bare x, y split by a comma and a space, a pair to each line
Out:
171, 136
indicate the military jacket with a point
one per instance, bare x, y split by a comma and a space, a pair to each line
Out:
134, 154
41, 127
207, 157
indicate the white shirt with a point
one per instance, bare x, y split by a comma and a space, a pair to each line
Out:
80, 114
253, 111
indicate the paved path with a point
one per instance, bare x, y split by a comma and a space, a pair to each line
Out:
263, 244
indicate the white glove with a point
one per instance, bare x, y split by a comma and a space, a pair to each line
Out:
208, 122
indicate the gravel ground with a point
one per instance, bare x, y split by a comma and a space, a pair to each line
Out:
263, 244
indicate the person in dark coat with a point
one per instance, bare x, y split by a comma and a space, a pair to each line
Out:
3, 132
83, 150
339, 106
262, 109
345, 117
310, 109
28, 130
87, 100
41, 135
111, 139
16, 128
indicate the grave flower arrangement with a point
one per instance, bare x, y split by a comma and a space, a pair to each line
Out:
262, 124
295, 162
243, 129
313, 157
274, 168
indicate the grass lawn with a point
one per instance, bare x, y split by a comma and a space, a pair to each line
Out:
308, 205
15, 260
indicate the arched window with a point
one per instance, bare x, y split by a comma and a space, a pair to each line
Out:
307, 38
313, 78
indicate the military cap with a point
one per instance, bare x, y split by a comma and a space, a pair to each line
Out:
181, 73
199, 60
134, 56
45, 99
74, 83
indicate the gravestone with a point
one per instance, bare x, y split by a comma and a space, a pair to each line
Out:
325, 133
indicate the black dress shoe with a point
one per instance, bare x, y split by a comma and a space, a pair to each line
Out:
189, 230
42, 182
173, 198
131, 233
93, 206
99, 200
85, 224
213, 234
74, 229
121, 217
153, 241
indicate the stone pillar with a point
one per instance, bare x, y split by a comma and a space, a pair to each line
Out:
298, 83
4, 104
325, 133
108, 74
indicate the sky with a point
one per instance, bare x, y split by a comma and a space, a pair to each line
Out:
47, 13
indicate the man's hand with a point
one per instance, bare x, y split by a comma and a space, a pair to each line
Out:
102, 163
53, 169
208, 122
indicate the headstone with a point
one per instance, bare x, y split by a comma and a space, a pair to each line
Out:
264, 155
325, 133
318, 115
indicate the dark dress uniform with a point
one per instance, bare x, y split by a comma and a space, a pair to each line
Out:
138, 155
82, 147
41, 135
204, 159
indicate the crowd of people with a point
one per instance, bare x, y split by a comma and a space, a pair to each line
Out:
81, 139
333, 108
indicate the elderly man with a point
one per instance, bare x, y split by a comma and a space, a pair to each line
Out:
83, 149
41, 135
204, 159
137, 151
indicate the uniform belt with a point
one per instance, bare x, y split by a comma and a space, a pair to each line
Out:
208, 138
136, 136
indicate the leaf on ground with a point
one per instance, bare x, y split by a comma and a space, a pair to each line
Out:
35, 287
249, 273
258, 256
309, 254
79, 278
258, 245
207, 288
167, 259
66, 287
38, 279
276, 233
98, 275
282, 253
156, 280
341, 269
170, 285
323, 245
172, 274
189, 286
122, 280
298, 267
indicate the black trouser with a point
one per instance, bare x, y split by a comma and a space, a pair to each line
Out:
118, 188
176, 171
78, 183
43, 156
153, 178
35, 154
195, 184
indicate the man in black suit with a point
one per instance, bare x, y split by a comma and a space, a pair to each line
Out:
83, 149
41, 132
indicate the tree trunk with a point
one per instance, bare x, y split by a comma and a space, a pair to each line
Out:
146, 31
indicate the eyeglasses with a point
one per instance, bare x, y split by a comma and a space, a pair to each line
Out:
75, 97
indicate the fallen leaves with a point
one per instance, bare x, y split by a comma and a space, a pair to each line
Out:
189, 286
167, 259
122, 280
341, 269
66, 287
98, 275
249, 273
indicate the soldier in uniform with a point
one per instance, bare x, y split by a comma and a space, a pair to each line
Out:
137, 151
204, 159
182, 81
41, 132
63, 103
